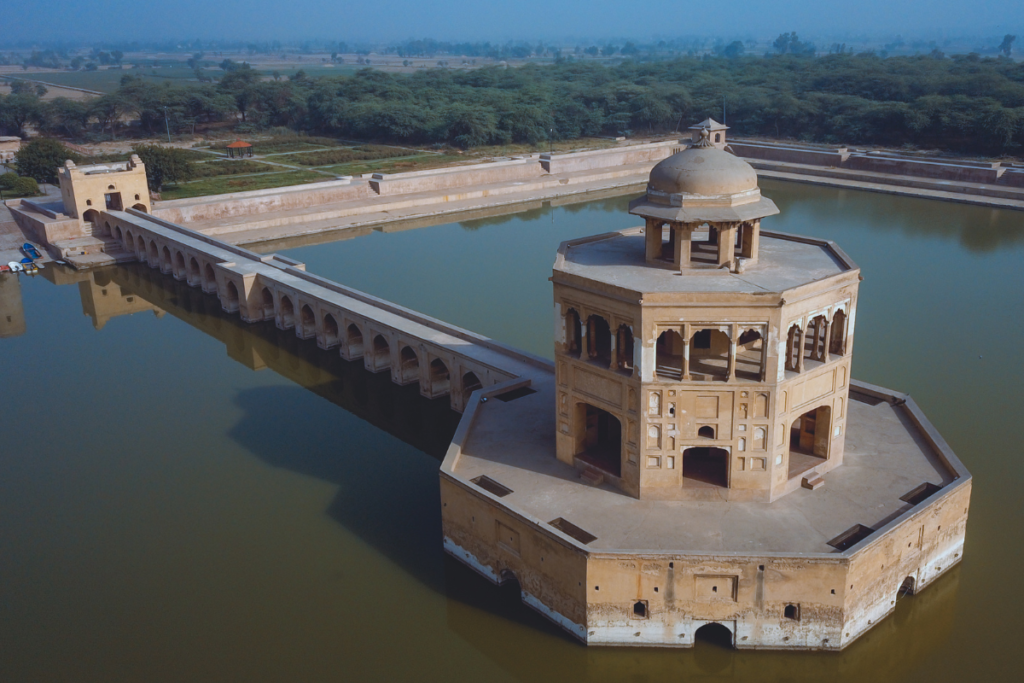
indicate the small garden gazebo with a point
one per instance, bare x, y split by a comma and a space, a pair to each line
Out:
239, 150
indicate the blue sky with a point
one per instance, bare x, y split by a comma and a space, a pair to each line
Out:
45, 20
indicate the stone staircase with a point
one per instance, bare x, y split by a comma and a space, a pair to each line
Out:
812, 480
591, 476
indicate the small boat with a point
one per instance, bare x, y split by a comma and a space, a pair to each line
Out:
31, 251
15, 267
4, 268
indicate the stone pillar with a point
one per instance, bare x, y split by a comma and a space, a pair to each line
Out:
613, 363
681, 252
686, 352
732, 354
827, 339
755, 239
762, 375
726, 243
801, 348
652, 239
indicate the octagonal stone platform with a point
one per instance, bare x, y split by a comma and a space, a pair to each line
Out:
813, 570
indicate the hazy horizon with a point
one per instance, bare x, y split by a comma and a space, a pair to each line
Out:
461, 20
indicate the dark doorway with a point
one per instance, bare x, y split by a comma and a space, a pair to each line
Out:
716, 634
705, 466
599, 341
599, 439
114, 201
470, 383
573, 333
809, 440
287, 313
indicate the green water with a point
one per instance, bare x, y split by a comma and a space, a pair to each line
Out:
187, 498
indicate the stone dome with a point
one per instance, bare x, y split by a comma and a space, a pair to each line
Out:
704, 171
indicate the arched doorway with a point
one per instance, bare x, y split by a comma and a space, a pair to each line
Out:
624, 350
907, 587
330, 331
232, 293
599, 439
140, 207
669, 356
715, 634
179, 265
140, 248
165, 260
210, 279
410, 365
117, 233
709, 355
268, 304
194, 270
705, 466
381, 359
470, 383
354, 343
287, 313
154, 254
837, 343
809, 439
599, 341
440, 378
750, 350
308, 319
573, 333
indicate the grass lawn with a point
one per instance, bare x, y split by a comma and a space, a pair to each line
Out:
345, 155
413, 163
109, 80
212, 169
229, 184
282, 144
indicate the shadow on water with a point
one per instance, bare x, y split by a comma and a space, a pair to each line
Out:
389, 499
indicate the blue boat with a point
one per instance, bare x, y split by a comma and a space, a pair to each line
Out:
30, 251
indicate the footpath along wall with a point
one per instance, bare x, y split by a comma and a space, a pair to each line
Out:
620, 165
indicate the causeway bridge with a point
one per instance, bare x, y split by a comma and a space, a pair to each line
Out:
442, 359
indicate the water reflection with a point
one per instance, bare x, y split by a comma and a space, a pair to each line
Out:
919, 629
12, 310
427, 425
977, 229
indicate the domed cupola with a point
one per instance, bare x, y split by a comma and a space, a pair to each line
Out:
697, 188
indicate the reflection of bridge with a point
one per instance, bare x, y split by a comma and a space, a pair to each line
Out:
400, 411
415, 349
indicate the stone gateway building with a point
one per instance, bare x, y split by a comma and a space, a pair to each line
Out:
700, 457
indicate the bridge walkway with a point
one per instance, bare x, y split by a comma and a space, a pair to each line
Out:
443, 359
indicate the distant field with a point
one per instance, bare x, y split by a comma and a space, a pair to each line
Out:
110, 80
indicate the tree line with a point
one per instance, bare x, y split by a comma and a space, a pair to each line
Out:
963, 103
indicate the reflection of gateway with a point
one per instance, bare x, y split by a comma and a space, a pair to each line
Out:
702, 396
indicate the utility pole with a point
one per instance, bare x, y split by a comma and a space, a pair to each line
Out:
168, 125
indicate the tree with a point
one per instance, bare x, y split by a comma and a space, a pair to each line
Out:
16, 111
165, 165
1006, 47
733, 49
26, 187
41, 158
